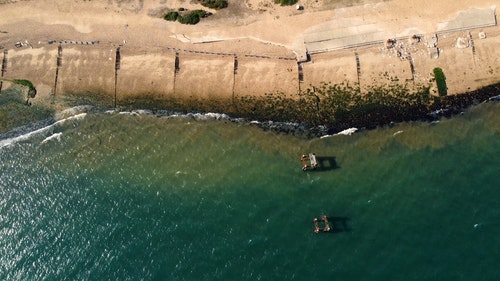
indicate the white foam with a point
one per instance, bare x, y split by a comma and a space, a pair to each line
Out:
209, 116
10, 141
56, 136
78, 117
43, 130
132, 113
143, 111
67, 113
346, 132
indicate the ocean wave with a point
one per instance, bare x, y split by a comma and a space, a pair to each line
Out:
27, 128
397, 133
46, 128
10, 141
73, 111
495, 98
169, 113
282, 127
44, 131
346, 132
137, 112
56, 136
210, 116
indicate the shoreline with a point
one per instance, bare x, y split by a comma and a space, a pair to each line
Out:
448, 107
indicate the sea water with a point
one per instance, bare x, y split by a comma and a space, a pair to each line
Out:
132, 196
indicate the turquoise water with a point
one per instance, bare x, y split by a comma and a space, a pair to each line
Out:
109, 196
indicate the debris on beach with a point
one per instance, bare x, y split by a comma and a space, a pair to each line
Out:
462, 43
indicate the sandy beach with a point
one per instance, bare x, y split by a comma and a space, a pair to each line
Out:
253, 47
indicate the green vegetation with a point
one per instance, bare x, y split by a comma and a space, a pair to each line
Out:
286, 2
331, 104
192, 17
14, 112
28, 84
171, 16
214, 4
440, 81
31, 89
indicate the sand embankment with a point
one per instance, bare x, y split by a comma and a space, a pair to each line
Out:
251, 48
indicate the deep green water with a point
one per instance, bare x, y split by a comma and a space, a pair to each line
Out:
107, 196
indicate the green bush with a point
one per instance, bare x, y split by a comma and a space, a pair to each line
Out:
14, 112
189, 19
28, 84
214, 4
171, 16
440, 81
286, 2
200, 13
192, 18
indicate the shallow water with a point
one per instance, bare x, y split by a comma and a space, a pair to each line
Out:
125, 197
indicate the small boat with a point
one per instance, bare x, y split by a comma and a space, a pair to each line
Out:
321, 225
312, 159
